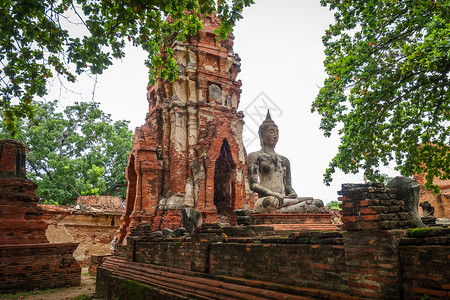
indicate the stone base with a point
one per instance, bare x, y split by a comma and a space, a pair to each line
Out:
38, 266
296, 221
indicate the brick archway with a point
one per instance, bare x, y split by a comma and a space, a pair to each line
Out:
224, 184
222, 162
131, 198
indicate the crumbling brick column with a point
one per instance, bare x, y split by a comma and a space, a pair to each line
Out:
20, 220
27, 260
373, 219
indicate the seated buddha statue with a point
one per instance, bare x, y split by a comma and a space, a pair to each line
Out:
270, 176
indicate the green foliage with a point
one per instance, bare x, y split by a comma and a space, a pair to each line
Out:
76, 152
385, 178
40, 39
387, 90
50, 202
334, 205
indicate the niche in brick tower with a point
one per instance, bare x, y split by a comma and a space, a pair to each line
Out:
224, 190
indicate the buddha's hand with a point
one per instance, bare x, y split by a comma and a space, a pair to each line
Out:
277, 195
280, 198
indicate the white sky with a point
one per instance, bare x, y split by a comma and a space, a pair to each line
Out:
279, 43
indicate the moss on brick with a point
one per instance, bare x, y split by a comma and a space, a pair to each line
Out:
134, 290
427, 232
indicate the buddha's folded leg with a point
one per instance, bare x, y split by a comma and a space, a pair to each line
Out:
266, 204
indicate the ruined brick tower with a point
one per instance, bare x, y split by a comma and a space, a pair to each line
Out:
189, 152
27, 260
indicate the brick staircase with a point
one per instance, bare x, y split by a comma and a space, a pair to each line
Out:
172, 283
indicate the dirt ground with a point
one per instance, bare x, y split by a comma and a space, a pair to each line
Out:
87, 288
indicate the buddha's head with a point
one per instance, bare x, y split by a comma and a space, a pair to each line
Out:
268, 132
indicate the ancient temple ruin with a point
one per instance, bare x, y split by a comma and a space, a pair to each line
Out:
189, 152
378, 255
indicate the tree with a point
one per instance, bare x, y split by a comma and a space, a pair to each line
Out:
77, 152
334, 204
40, 39
387, 91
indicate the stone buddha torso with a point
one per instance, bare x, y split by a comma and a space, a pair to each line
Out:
271, 170
270, 176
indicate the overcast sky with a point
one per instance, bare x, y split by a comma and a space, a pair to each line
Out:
279, 43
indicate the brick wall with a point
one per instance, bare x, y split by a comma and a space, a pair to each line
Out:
376, 257
175, 253
102, 203
424, 260
96, 261
378, 266
93, 231
38, 266
313, 260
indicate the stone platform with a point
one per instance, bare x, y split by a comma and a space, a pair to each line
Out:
296, 221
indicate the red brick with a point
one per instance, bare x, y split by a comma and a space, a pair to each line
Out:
364, 203
368, 211
369, 217
428, 292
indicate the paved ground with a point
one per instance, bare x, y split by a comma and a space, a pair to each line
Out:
87, 288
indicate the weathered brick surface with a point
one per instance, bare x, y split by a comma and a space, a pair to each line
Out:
12, 159
373, 206
93, 229
289, 262
425, 263
38, 266
378, 265
130, 280
20, 219
175, 253
95, 262
100, 203
171, 219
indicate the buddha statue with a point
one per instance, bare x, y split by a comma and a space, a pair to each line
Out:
270, 176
